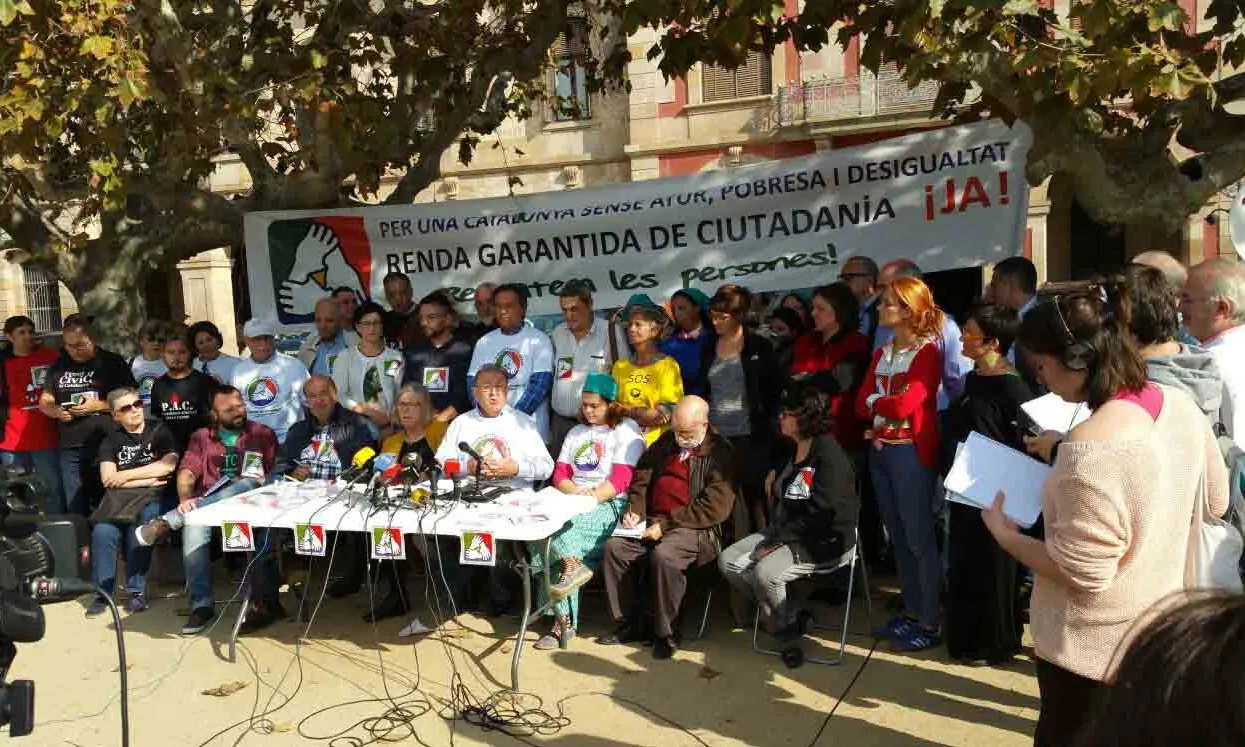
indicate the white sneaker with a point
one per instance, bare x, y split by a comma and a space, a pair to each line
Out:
414, 627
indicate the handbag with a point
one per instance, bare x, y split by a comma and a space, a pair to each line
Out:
1215, 547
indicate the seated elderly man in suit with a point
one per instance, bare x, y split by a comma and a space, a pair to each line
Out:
682, 491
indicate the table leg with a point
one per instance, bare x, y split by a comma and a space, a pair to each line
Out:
237, 624
524, 570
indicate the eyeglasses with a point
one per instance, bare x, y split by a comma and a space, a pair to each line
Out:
849, 275
410, 405
372, 323
127, 407
491, 389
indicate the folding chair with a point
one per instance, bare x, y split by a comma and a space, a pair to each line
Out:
851, 559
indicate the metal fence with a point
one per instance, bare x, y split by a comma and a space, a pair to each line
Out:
853, 97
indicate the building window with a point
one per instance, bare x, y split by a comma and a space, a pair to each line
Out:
570, 86
43, 298
753, 78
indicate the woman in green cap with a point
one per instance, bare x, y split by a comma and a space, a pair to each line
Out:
692, 331
597, 459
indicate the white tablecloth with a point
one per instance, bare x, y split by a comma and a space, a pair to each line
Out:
522, 515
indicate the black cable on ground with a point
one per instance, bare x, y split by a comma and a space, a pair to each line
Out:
846, 691
125, 688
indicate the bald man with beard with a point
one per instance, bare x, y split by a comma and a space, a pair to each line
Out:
682, 491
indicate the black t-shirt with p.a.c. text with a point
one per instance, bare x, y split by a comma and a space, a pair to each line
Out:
183, 404
71, 382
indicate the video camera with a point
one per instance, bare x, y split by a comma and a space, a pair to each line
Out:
42, 559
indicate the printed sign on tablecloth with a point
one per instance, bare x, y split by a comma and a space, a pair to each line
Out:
236, 536
478, 548
309, 540
388, 543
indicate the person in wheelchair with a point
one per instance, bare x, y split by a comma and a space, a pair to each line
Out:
815, 504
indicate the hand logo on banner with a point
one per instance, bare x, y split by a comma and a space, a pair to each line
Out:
478, 548
320, 265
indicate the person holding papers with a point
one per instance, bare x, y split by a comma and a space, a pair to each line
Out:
899, 395
985, 616
597, 460
1125, 488
682, 493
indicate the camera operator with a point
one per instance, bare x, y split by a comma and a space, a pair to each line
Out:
135, 461
77, 384
29, 435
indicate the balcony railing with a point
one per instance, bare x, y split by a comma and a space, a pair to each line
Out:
864, 95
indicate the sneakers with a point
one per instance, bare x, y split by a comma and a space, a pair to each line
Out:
570, 582
200, 618
917, 638
152, 532
98, 606
897, 628
136, 603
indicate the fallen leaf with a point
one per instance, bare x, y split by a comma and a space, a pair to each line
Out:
283, 727
706, 673
128, 667
225, 690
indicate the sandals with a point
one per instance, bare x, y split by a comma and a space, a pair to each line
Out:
570, 582
559, 636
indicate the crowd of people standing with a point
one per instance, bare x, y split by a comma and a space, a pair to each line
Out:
707, 433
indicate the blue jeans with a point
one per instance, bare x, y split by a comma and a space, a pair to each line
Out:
106, 540
73, 460
197, 547
46, 464
905, 493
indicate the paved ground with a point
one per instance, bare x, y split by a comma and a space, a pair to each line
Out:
715, 692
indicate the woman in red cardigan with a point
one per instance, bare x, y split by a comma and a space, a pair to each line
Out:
833, 358
899, 396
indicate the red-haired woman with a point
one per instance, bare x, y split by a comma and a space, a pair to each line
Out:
899, 397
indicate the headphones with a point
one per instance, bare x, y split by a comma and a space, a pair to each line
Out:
1079, 354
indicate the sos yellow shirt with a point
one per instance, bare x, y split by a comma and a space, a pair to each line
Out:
656, 384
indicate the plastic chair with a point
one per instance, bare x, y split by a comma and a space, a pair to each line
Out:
851, 559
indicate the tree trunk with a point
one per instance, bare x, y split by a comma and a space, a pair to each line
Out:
110, 293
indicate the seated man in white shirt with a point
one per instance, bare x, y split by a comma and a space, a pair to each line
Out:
508, 440
512, 450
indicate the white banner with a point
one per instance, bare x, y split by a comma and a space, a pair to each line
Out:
946, 198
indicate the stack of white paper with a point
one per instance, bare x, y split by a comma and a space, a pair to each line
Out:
1052, 413
984, 467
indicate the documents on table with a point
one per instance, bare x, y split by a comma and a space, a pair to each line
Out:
1051, 413
984, 467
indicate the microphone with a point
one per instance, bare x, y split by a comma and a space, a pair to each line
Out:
359, 464
465, 448
45, 589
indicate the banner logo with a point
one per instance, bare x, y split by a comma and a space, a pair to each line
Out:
311, 257
261, 392
309, 540
236, 536
478, 548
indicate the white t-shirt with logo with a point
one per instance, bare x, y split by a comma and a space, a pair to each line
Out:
272, 391
574, 360
592, 451
145, 373
511, 433
221, 368
520, 355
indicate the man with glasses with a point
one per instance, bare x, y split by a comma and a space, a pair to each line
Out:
148, 365
682, 491
1213, 307
513, 454
440, 364
860, 273
75, 396
136, 459
29, 436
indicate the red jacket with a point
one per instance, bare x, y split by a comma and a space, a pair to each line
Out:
900, 396
844, 361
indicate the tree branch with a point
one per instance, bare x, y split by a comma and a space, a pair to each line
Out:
483, 105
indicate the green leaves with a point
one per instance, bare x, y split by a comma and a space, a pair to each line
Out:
9, 10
